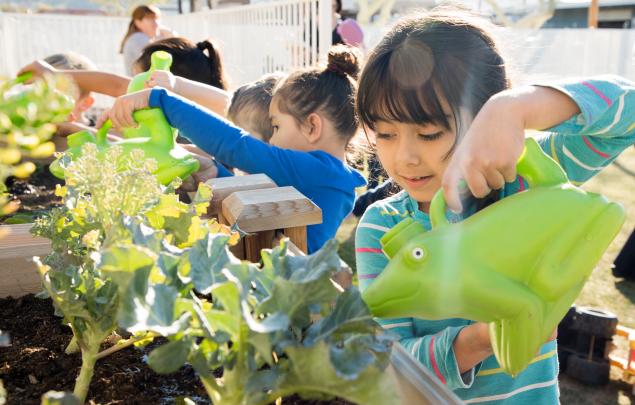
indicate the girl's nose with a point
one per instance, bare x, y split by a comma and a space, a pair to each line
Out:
408, 153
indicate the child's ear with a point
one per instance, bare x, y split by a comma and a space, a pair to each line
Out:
313, 127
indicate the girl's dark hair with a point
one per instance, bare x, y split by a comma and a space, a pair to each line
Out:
139, 13
338, 6
445, 54
188, 60
330, 91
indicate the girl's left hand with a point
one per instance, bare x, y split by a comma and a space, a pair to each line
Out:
121, 112
486, 156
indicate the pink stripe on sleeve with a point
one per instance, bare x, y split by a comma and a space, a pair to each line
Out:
598, 93
521, 182
434, 361
588, 143
368, 250
366, 276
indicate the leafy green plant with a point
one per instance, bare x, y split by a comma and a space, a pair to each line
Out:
102, 195
27, 118
271, 330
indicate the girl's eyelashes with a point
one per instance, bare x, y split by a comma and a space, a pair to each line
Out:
383, 135
431, 137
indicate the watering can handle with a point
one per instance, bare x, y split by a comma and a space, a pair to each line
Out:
102, 133
534, 165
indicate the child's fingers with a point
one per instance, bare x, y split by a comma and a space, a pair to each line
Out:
102, 118
477, 183
509, 173
451, 190
495, 179
122, 117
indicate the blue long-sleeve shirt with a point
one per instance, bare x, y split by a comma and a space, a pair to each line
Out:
320, 176
583, 145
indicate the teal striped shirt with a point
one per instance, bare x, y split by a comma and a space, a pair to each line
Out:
583, 145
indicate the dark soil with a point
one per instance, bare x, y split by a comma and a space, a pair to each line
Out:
35, 363
36, 194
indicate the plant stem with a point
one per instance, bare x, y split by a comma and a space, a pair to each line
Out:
122, 345
214, 391
89, 358
73, 346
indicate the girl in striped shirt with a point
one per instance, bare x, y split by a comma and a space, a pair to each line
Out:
434, 95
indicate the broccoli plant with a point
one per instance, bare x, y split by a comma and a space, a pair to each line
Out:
27, 118
272, 330
103, 195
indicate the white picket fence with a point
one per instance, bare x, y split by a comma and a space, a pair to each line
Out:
255, 39
281, 35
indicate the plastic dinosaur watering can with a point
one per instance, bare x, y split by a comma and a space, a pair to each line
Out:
518, 264
154, 135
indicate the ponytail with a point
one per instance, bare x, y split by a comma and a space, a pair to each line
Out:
215, 63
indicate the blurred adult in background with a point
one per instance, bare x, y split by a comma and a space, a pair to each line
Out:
144, 28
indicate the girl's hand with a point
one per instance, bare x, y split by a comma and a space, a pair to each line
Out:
39, 68
121, 112
486, 156
207, 170
161, 78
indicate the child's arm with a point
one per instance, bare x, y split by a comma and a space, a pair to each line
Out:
589, 141
591, 121
451, 350
217, 137
487, 155
208, 96
88, 80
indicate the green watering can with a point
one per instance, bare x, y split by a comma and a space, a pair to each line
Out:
154, 135
518, 264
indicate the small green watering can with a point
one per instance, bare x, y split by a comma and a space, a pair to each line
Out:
518, 264
154, 135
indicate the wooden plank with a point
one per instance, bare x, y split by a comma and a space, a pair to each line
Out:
222, 187
297, 235
18, 273
594, 11
269, 209
256, 242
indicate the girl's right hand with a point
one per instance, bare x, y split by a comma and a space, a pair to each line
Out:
161, 78
39, 68
486, 156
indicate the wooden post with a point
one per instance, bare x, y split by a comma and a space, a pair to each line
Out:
594, 11
18, 273
264, 210
222, 187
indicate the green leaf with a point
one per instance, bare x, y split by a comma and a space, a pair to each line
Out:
121, 262
311, 371
169, 357
201, 199
208, 257
350, 315
151, 310
144, 235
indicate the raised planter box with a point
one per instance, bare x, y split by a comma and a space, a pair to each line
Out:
18, 273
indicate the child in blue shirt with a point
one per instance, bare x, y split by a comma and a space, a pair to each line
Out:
313, 117
435, 96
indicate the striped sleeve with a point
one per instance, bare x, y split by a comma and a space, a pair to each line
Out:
433, 348
589, 141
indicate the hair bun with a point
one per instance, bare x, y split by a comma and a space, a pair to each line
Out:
203, 45
344, 60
